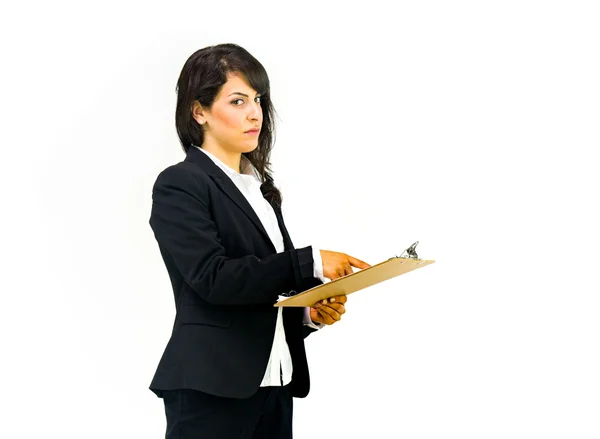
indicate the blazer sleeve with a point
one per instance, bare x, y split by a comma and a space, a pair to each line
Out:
184, 228
307, 330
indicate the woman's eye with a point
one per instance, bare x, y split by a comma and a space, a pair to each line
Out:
237, 100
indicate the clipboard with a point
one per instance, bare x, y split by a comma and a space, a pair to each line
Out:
359, 280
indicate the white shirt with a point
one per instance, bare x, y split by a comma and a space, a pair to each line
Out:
279, 369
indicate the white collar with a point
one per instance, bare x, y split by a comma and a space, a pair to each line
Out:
246, 166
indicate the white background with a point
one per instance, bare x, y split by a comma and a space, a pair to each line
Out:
470, 126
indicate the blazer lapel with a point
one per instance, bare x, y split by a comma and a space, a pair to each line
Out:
231, 190
287, 242
224, 183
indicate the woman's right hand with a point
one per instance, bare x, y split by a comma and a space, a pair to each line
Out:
337, 264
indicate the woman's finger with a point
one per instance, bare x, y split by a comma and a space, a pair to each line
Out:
333, 310
327, 319
358, 263
339, 299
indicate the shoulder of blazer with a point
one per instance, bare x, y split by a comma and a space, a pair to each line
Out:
195, 176
185, 176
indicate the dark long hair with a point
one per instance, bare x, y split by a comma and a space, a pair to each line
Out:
201, 79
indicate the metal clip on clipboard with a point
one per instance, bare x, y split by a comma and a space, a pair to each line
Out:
409, 253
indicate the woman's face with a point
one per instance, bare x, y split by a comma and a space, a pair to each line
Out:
236, 110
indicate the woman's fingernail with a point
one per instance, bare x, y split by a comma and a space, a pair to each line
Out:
332, 299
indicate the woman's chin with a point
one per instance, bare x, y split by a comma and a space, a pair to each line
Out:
249, 147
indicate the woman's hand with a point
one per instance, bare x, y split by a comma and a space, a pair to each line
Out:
328, 311
337, 265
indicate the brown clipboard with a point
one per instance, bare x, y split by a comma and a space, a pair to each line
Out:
356, 281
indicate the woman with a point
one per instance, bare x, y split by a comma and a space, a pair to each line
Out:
234, 361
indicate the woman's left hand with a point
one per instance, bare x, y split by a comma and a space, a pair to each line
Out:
328, 311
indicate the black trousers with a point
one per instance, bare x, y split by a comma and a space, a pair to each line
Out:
197, 415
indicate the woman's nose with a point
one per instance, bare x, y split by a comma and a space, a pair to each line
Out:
255, 111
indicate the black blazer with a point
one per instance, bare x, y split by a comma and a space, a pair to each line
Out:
226, 276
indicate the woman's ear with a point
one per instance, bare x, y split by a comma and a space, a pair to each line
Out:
198, 113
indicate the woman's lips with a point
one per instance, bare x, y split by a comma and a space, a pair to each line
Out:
252, 132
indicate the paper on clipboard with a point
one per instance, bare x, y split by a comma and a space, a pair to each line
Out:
357, 281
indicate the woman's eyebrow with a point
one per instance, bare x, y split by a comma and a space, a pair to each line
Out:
238, 93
